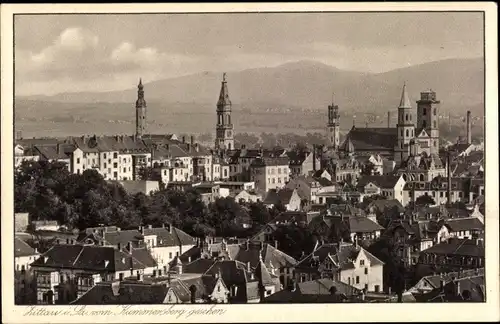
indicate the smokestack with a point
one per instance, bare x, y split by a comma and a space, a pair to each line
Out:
388, 119
314, 157
469, 128
192, 139
449, 178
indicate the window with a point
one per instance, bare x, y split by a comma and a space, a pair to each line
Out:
115, 174
357, 279
435, 124
366, 271
170, 255
406, 117
115, 165
366, 287
377, 288
361, 262
77, 160
407, 132
115, 155
435, 111
104, 155
424, 112
349, 280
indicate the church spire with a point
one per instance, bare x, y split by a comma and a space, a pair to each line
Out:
405, 100
224, 93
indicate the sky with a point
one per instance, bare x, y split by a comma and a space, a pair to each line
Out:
75, 53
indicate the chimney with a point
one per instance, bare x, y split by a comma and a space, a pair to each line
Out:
469, 128
442, 284
140, 276
314, 157
188, 147
449, 178
183, 139
458, 291
170, 228
129, 247
249, 269
388, 119
119, 246
141, 229
179, 268
276, 244
247, 245
192, 139
58, 148
189, 259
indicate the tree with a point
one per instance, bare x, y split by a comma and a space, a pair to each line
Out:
424, 200
368, 169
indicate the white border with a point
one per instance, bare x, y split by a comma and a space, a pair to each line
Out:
262, 312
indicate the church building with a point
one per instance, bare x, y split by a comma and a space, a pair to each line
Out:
404, 140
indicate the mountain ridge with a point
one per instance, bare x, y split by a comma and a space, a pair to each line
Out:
309, 85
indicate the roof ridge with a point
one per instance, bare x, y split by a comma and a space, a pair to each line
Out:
80, 253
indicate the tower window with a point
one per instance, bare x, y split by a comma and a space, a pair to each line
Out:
435, 110
407, 133
424, 124
424, 112
435, 125
406, 117
402, 133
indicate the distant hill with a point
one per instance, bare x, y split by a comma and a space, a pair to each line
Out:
308, 85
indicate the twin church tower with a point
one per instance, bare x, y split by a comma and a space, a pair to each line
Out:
404, 140
224, 139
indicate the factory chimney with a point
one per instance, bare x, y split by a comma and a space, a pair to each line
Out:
388, 119
469, 128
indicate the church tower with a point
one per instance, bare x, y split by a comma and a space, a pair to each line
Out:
333, 126
428, 118
224, 138
140, 111
405, 127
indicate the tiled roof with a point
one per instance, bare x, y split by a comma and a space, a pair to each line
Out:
51, 152
263, 274
471, 289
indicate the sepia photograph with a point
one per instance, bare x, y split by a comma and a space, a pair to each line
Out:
304, 157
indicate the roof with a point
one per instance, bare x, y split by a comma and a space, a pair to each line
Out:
22, 249
381, 205
470, 289
363, 225
123, 293
164, 237
224, 94
55, 152
405, 100
297, 158
464, 224
342, 257
95, 258
319, 291
457, 247
372, 138
270, 161
381, 181
292, 217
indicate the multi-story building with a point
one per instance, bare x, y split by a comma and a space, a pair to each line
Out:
270, 173
65, 272
344, 262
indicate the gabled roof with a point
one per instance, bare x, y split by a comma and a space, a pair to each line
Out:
22, 249
381, 181
342, 258
384, 204
297, 158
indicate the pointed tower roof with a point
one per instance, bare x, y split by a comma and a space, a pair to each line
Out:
348, 146
224, 93
405, 100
